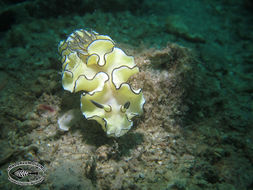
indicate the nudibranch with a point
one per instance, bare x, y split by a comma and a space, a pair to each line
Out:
92, 65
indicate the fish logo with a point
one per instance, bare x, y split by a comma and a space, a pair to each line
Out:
26, 173
20, 173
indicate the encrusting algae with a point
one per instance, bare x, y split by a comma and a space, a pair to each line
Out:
93, 65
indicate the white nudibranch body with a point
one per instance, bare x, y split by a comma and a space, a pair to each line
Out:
93, 65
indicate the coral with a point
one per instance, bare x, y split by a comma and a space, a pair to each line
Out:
93, 65
69, 176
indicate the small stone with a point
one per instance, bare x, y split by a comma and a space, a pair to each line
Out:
141, 175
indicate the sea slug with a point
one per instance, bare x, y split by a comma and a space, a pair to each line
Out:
92, 65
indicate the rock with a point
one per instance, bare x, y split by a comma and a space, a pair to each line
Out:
175, 25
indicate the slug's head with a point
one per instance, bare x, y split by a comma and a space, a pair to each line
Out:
114, 113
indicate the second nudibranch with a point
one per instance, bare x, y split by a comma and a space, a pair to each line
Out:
93, 65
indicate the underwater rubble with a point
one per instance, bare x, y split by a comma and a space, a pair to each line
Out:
195, 132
